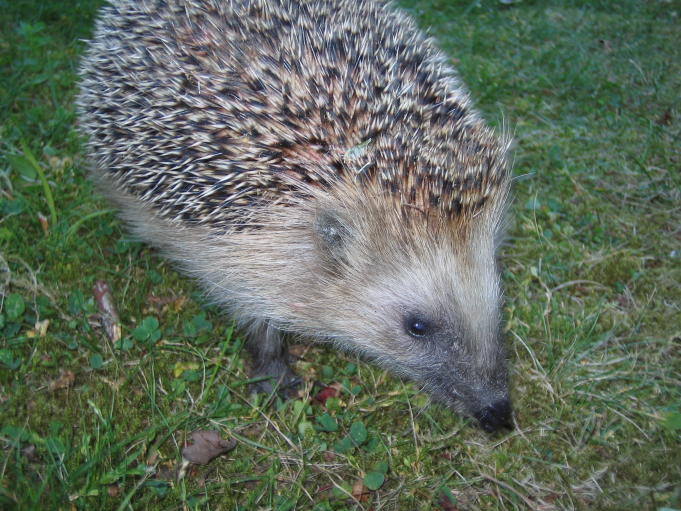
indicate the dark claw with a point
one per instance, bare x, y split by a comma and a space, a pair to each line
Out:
286, 387
496, 416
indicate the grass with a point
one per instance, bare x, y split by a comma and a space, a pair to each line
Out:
590, 91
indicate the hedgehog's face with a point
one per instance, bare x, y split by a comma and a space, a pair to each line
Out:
428, 310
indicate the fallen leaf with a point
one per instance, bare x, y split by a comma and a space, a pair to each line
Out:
114, 490
160, 301
332, 390
174, 303
44, 223
109, 315
65, 380
255, 430
206, 446
359, 491
39, 330
161, 304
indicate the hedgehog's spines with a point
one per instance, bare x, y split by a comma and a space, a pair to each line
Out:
256, 92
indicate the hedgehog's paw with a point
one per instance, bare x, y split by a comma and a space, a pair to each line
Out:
269, 356
275, 378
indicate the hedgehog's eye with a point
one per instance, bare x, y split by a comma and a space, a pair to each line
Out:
418, 327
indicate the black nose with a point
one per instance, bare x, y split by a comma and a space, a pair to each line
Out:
495, 416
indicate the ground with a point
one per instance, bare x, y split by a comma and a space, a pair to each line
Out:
592, 265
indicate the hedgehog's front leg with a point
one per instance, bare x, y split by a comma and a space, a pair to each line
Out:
269, 359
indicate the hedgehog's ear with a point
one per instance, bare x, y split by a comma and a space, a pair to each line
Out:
332, 235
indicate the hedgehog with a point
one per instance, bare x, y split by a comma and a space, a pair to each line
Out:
319, 168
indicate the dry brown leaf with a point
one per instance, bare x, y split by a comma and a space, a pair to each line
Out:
44, 223
114, 490
65, 380
205, 446
332, 390
161, 304
160, 301
107, 309
359, 491
39, 330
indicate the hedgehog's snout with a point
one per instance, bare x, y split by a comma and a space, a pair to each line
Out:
495, 416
